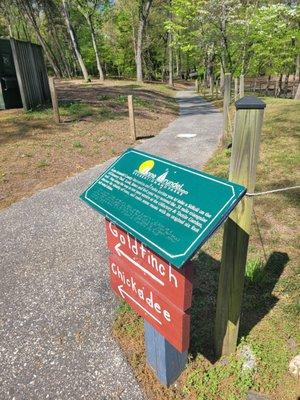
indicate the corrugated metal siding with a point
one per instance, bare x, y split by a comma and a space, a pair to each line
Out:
9, 89
31, 73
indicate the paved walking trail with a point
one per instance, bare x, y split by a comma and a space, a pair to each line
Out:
55, 302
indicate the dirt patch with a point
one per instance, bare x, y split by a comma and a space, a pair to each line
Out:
36, 153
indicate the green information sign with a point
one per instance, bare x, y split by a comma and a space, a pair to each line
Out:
171, 208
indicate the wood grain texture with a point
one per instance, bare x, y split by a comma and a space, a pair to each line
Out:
54, 101
166, 362
244, 158
131, 117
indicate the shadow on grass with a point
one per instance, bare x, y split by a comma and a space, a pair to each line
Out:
257, 300
103, 94
22, 130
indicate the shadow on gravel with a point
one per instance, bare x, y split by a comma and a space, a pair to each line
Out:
196, 106
257, 300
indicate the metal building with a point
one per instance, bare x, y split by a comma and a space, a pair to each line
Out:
23, 75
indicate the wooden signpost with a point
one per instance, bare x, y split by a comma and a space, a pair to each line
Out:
131, 117
158, 213
56, 116
157, 291
244, 159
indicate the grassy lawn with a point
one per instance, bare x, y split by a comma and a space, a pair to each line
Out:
271, 306
35, 153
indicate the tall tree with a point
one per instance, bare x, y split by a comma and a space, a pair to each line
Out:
170, 44
74, 41
88, 9
144, 9
29, 9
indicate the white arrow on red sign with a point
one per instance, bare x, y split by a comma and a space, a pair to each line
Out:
175, 285
123, 292
132, 261
172, 322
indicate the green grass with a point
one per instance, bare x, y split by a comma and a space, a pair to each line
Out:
212, 383
270, 317
38, 114
255, 271
43, 163
76, 110
78, 145
104, 97
137, 101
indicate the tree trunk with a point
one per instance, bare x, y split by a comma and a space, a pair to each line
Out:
27, 10
297, 95
50, 57
297, 66
170, 51
144, 13
279, 85
222, 74
66, 71
177, 63
61, 53
138, 56
268, 85
163, 69
10, 30
225, 52
99, 66
286, 84
74, 41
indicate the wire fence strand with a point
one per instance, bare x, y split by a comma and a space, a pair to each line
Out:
273, 191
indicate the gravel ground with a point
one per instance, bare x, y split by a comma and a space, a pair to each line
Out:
56, 305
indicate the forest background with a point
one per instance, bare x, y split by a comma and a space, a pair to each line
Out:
159, 39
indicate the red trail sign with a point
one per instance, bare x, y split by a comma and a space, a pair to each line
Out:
170, 321
175, 285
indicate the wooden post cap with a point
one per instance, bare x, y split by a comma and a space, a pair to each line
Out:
250, 102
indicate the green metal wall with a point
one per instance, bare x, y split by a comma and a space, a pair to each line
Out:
31, 73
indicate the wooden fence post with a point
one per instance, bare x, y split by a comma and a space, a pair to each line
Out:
242, 86
131, 117
236, 89
54, 100
226, 104
244, 158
